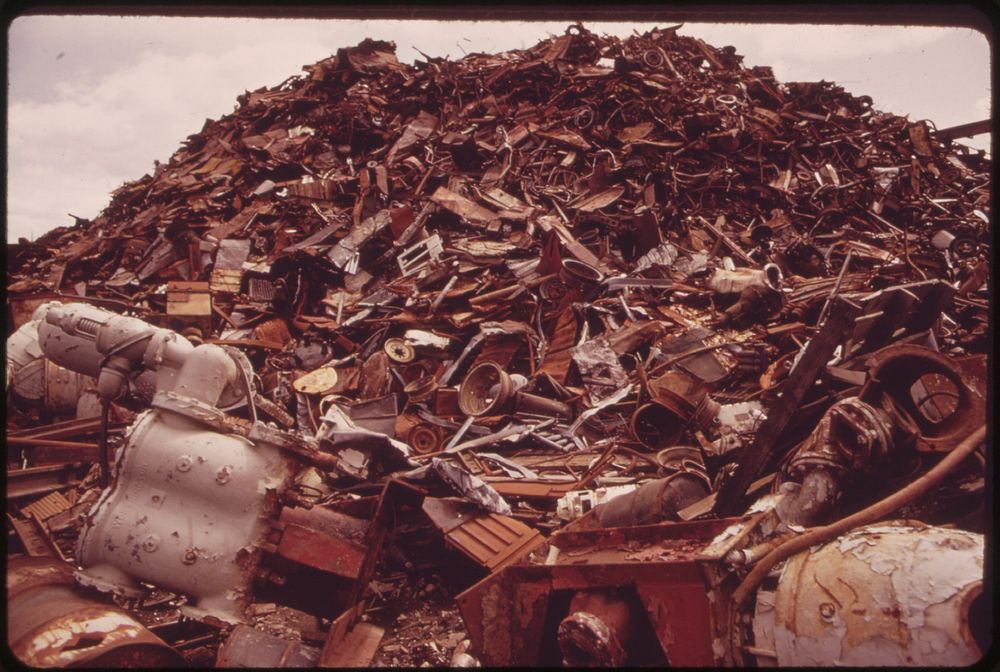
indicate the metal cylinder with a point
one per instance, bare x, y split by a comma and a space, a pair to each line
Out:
425, 438
653, 502
887, 594
578, 274
654, 59
675, 457
487, 389
706, 412
680, 393
22, 349
63, 388
421, 388
50, 625
655, 425
897, 369
206, 373
598, 630
532, 403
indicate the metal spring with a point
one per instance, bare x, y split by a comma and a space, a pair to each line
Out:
88, 326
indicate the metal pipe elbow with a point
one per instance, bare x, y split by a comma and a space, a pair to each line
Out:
207, 371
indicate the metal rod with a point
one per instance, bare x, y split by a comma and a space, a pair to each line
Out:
103, 449
18, 441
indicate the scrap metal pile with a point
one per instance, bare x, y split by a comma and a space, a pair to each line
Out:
599, 352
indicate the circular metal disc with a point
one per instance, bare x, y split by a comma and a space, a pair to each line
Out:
320, 381
399, 350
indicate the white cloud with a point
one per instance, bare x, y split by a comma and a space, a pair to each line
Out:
68, 154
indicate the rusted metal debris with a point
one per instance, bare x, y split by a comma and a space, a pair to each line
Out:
527, 358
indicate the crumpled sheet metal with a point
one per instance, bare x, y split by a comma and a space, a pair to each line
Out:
889, 594
470, 486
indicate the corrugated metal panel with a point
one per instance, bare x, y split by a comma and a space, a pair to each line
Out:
260, 289
226, 280
47, 506
31, 537
492, 540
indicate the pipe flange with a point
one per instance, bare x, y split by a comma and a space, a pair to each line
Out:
399, 350
486, 389
425, 439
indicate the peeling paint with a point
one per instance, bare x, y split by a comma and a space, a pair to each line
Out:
889, 594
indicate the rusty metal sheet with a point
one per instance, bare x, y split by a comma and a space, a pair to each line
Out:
330, 554
659, 562
560, 350
568, 138
463, 207
247, 647
349, 642
42, 480
505, 615
549, 223
34, 537
189, 299
492, 540
227, 281
357, 648
599, 200
46, 507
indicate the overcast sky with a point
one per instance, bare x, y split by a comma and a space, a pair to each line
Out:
92, 100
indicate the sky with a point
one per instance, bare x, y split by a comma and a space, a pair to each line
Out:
92, 101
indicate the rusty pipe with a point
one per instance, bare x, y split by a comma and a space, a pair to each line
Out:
598, 630
55, 443
653, 501
532, 403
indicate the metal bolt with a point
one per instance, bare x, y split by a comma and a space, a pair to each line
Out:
222, 476
184, 463
150, 543
189, 557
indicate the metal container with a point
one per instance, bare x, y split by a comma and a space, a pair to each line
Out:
50, 625
889, 594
